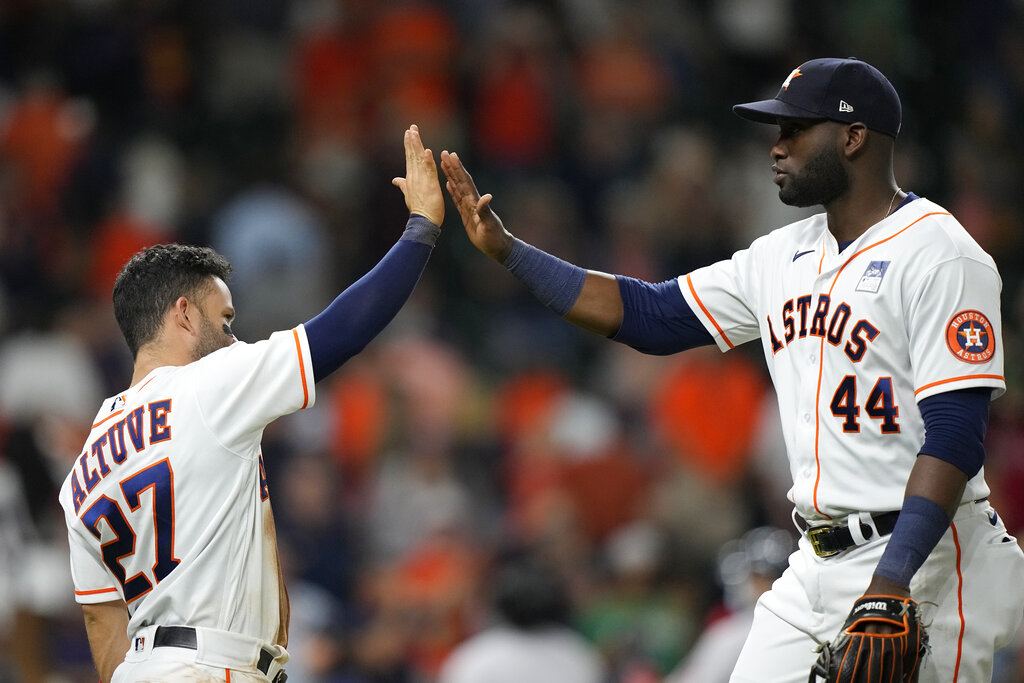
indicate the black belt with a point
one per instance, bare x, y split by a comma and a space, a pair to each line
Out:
185, 637
832, 540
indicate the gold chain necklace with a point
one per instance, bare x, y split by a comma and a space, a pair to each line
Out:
892, 201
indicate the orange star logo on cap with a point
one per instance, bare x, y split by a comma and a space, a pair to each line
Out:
792, 75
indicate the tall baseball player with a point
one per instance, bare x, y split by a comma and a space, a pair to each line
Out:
173, 549
880, 323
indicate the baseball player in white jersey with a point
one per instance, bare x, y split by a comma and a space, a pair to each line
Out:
173, 550
880, 324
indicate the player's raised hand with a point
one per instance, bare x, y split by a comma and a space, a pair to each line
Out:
421, 186
483, 226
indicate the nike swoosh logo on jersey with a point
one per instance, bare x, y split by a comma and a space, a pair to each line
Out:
798, 254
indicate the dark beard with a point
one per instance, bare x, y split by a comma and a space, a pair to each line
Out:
822, 180
210, 339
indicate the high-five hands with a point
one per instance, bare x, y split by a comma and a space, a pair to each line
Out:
483, 226
421, 186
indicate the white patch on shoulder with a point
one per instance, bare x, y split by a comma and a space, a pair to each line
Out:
871, 280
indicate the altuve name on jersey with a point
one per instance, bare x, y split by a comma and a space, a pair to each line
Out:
141, 427
799, 319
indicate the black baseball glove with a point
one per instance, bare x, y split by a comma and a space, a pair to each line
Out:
859, 657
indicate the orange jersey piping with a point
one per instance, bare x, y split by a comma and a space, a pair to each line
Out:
107, 418
959, 604
957, 379
97, 591
302, 368
710, 317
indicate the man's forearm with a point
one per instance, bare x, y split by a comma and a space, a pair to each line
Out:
107, 627
933, 494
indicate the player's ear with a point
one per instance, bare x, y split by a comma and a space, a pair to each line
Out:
855, 136
184, 314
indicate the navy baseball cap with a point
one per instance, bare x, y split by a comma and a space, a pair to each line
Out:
845, 90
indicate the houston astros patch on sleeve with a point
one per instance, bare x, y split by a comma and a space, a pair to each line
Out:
970, 338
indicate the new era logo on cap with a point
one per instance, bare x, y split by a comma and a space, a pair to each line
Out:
845, 90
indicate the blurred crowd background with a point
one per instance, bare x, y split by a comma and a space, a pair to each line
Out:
479, 430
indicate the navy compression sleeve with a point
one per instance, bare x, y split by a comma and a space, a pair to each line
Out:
365, 308
955, 423
556, 283
921, 524
656, 318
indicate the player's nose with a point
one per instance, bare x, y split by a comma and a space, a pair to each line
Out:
778, 151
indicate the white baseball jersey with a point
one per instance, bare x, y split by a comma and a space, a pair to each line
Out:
854, 339
167, 506
504, 654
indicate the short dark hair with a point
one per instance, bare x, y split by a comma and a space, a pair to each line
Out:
153, 279
530, 594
